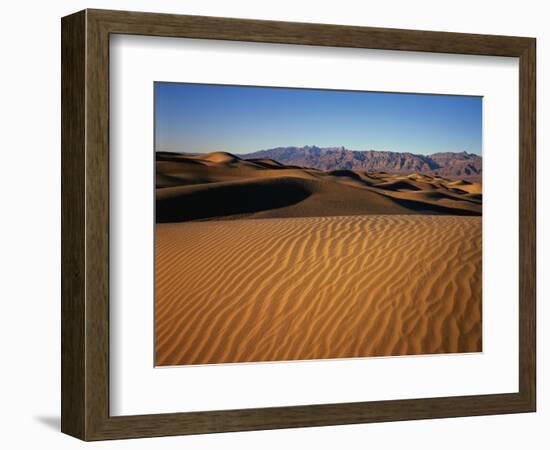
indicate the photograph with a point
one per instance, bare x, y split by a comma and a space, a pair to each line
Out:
298, 224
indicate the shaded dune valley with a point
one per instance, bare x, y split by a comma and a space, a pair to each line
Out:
261, 261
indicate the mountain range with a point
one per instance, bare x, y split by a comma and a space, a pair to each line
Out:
463, 165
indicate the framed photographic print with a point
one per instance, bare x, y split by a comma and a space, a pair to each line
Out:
270, 224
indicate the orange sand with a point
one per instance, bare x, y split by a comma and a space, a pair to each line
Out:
317, 287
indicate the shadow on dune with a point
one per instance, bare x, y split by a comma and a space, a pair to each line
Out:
400, 185
186, 203
419, 207
345, 173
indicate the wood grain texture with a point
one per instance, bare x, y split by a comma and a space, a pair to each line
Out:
152, 24
527, 224
72, 224
97, 226
85, 224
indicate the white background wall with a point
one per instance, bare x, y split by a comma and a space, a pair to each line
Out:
30, 221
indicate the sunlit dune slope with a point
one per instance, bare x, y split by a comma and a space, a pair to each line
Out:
315, 288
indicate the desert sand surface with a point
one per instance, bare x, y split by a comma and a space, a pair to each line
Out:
258, 261
316, 288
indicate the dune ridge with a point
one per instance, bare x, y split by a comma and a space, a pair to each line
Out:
298, 288
216, 185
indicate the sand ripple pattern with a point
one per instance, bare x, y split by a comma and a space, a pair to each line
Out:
317, 288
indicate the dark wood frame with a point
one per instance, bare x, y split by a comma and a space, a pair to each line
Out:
85, 224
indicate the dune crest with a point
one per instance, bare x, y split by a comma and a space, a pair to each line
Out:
220, 157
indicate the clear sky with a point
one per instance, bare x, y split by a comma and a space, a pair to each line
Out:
202, 118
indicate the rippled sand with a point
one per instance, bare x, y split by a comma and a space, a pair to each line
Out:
315, 288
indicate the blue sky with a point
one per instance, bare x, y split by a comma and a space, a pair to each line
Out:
241, 119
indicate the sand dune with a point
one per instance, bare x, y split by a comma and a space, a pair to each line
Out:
314, 288
215, 185
261, 261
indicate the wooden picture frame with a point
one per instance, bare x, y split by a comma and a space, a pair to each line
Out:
85, 224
